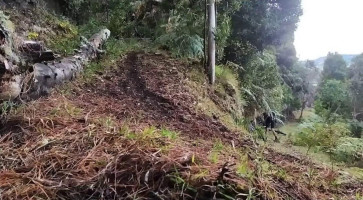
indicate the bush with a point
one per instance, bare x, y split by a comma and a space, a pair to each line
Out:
321, 134
333, 100
261, 82
182, 45
348, 149
356, 127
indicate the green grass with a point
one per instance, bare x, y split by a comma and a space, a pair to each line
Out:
214, 157
243, 169
172, 135
308, 114
356, 172
227, 91
218, 146
225, 74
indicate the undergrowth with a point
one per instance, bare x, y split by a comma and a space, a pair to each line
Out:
66, 38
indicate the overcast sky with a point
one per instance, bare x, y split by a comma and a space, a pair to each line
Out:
330, 25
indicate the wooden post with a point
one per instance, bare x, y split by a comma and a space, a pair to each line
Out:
211, 40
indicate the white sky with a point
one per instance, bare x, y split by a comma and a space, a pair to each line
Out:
330, 26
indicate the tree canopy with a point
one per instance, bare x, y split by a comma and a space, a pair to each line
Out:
356, 80
335, 67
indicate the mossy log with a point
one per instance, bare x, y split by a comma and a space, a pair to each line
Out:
29, 70
48, 74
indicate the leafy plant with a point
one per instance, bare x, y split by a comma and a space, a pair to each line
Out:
243, 169
333, 99
348, 150
182, 45
217, 148
322, 135
356, 128
261, 83
6, 109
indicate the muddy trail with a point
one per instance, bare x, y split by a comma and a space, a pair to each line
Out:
134, 133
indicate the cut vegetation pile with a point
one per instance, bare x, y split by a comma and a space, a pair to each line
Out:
134, 133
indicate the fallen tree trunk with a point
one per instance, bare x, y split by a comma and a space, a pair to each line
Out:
35, 51
47, 75
19, 79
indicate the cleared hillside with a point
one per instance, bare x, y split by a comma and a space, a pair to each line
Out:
134, 133
141, 124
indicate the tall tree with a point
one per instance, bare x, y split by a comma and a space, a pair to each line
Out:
356, 87
262, 23
303, 78
335, 67
333, 98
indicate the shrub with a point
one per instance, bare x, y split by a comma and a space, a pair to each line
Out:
333, 99
356, 127
348, 149
321, 134
182, 45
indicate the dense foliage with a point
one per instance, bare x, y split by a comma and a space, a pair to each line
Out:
265, 26
333, 98
261, 82
341, 89
333, 139
335, 67
355, 76
338, 102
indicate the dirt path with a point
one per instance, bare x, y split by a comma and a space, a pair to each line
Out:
153, 91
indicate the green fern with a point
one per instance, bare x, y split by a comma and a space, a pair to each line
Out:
182, 45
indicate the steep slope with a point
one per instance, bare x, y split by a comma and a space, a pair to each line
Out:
135, 133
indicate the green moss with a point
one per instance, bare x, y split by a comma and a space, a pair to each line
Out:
33, 35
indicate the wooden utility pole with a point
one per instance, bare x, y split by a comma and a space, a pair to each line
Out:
211, 41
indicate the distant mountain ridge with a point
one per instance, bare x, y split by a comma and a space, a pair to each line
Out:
347, 57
